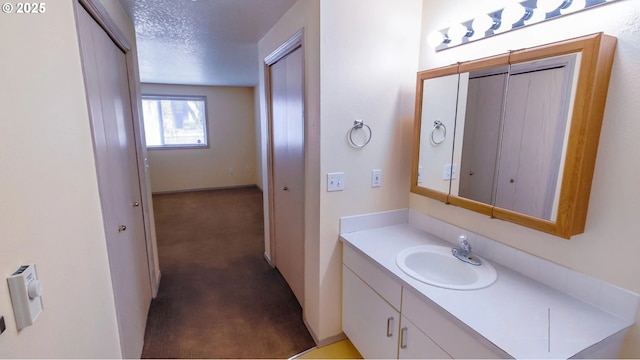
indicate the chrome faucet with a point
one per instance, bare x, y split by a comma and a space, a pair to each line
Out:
464, 252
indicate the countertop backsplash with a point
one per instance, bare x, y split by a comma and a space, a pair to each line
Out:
608, 297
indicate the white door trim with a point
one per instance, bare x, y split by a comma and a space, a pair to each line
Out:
285, 49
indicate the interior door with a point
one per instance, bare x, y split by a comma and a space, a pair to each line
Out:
481, 137
533, 133
288, 168
106, 80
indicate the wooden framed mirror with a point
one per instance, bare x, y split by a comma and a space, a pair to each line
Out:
522, 133
437, 110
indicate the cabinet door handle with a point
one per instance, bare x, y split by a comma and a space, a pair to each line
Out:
403, 338
390, 326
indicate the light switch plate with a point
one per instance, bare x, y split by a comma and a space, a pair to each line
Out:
26, 295
376, 178
335, 181
449, 172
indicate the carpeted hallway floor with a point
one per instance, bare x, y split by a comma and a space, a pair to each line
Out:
218, 296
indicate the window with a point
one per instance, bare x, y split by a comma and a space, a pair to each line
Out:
174, 121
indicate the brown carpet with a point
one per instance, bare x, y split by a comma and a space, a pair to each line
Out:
218, 296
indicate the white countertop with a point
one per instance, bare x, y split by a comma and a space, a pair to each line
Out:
513, 313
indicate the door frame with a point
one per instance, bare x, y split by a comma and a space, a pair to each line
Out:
97, 11
295, 42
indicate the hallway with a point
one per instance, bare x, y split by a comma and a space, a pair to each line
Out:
218, 296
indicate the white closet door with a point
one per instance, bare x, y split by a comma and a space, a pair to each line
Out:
481, 137
288, 169
106, 79
533, 126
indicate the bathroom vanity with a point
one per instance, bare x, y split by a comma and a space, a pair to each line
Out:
386, 319
514, 137
389, 314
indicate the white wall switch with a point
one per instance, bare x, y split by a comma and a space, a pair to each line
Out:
335, 181
26, 295
449, 172
419, 174
376, 178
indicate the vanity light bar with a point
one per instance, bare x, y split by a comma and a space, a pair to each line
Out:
513, 16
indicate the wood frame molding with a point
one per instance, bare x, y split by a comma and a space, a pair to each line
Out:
597, 52
424, 75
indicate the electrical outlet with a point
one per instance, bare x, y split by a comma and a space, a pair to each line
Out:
335, 181
376, 178
449, 172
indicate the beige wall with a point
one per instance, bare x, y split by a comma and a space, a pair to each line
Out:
369, 59
304, 14
607, 250
258, 139
50, 210
232, 143
361, 59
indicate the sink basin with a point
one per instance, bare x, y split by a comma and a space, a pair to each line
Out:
435, 265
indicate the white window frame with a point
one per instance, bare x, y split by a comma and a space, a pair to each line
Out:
207, 139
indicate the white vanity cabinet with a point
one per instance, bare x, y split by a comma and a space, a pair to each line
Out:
414, 344
456, 338
383, 319
371, 302
515, 317
377, 329
368, 320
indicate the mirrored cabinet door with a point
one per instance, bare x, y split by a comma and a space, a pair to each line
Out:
435, 127
478, 132
480, 128
533, 136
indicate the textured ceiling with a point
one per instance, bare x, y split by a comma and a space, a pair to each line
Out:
202, 42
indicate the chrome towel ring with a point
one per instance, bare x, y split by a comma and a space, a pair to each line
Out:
361, 132
437, 125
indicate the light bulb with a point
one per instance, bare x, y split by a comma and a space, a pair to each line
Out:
483, 23
576, 5
547, 6
537, 17
457, 32
513, 13
436, 38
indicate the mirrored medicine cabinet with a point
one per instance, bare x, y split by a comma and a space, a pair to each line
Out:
515, 136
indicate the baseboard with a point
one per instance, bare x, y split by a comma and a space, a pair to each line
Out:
266, 257
156, 286
325, 341
332, 339
204, 189
302, 353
